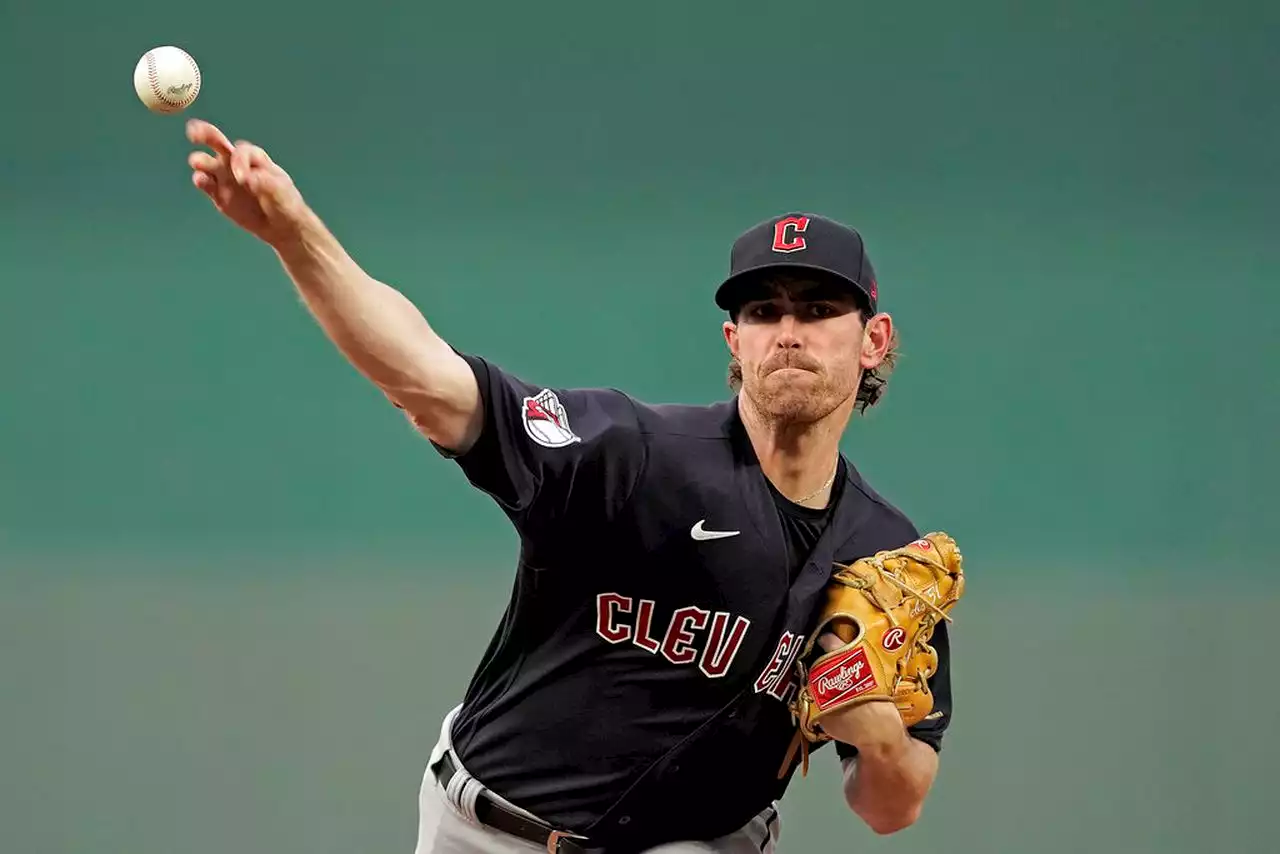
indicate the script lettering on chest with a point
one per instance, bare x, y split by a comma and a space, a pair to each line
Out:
691, 634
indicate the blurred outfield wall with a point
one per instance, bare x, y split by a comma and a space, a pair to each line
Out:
236, 591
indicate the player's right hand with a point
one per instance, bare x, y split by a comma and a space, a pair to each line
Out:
245, 185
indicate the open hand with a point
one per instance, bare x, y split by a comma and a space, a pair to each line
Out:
245, 185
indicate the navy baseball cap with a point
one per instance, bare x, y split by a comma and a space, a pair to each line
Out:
799, 243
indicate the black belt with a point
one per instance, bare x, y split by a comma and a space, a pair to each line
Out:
493, 814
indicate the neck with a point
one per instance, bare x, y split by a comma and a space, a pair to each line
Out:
797, 458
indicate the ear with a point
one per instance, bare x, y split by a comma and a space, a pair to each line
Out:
877, 336
731, 337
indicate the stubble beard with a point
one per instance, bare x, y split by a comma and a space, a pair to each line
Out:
796, 397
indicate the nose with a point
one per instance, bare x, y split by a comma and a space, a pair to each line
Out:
787, 338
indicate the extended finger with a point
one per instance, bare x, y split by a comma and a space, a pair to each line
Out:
246, 156
200, 132
204, 162
205, 182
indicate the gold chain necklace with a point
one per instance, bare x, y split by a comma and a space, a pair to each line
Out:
830, 481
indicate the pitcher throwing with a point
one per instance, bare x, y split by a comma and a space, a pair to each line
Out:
654, 683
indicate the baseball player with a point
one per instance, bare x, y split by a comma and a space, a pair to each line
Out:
638, 694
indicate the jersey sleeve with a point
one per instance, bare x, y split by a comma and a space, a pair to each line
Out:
550, 457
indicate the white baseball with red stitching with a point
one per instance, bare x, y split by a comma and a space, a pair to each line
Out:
167, 79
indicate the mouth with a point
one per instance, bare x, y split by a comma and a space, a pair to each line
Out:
790, 369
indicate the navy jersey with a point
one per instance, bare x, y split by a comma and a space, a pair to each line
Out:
663, 589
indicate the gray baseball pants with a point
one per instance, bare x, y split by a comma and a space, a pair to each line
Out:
447, 825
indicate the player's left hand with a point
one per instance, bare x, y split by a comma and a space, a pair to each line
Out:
867, 725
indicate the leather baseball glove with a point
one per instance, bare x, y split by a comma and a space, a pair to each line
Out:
884, 608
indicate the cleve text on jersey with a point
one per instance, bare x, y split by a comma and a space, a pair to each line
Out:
692, 634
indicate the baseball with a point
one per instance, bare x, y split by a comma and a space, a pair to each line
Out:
166, 79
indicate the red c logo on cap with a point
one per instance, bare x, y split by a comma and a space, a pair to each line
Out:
786, 234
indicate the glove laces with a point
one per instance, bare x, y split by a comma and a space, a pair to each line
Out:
800, 741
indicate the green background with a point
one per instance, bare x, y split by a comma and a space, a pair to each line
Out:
237, 592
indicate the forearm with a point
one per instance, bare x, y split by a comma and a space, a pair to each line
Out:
888, 784
379, 331
384, 336
375, 326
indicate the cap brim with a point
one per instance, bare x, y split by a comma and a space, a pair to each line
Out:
729, 294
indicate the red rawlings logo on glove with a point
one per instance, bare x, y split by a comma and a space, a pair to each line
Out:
841, 678
894, 639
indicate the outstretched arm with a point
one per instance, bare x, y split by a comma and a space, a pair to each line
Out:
385, 337
380, 332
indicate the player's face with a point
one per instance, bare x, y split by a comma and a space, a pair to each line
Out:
803, 347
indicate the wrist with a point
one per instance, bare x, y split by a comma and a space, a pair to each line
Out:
302, 237
886, 743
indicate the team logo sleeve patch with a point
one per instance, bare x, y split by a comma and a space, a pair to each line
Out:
546, 421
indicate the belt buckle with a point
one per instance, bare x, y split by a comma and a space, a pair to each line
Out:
554, 838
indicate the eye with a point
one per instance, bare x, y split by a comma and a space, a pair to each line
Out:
821, 310
763, 311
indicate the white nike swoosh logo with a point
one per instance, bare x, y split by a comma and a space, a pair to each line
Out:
700, 533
